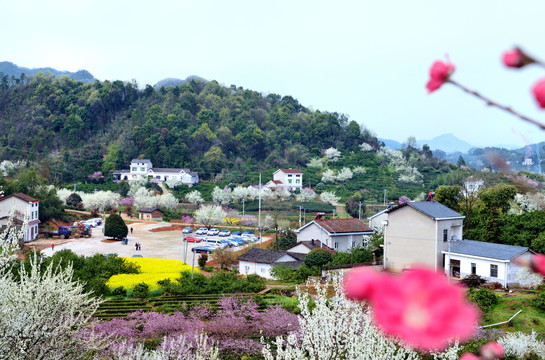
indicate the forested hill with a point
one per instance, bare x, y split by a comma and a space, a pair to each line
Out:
77, 128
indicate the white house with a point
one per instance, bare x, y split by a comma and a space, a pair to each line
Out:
338, 234
289, 179
144, 168
260, 261
378, 220
24, 206
472, 186
493, 262
418, 232
304, 247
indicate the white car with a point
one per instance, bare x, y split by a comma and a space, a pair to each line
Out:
201, 231
213, 232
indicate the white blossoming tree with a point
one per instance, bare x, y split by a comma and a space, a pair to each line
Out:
168, 201
366, 147
335, 329
8, 168
100, 200
344, 174
221, 196
328, 176
329, 198
315, 162
209, 215
239, 193
359, 170
173, 182
332, 154
194, 197
306, 195
63, 194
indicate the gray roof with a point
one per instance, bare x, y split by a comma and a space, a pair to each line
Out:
169, 170
263, 256
487, 250
431, 208
141, 161
148, 210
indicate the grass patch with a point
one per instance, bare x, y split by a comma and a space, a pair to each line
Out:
529, 319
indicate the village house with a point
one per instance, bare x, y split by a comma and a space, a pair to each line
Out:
144, 168
418, 233
337, 234
472, 186
493, 262
260, 261
289, 179
24, 206
150, 214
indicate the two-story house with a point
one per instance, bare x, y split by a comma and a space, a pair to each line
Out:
418, 233
289, 179
337, 234
144, 168
24, 206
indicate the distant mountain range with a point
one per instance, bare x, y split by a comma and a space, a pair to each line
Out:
446, 142
10, 69
176, 82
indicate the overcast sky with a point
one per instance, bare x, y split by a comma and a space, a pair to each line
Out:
367, 59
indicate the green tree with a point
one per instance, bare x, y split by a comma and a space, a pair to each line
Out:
286, 239
461, 161
449, 195
73, 200
318, 257
115, 227
538, 244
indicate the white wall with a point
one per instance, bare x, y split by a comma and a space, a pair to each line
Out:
247, 268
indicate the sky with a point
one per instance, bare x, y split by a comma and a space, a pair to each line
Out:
366, 59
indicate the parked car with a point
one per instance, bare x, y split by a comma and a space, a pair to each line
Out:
203, 249
250, 237
217, 243
248, 232
187, 230
241, 239
237, 233
98, 221
90, 223
224, 233
213, 232
137, 256
230, 242
191, 238
201, 231
237, 242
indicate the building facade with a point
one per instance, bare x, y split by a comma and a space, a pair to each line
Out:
144, 168
24, 206
337, 234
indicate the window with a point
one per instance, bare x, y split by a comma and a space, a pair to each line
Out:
297, 181
289, 181
474, 269
142, 169
246, 268
494, 271
336, 246
445, 235
262, 270
134, 168
353, 244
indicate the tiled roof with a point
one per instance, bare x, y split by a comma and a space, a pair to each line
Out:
169, 170
263, 256
312, 245
21, 196
277, 182
147, 161
430, 208
148, 210
343, 225
290, 171
121, 171
487, 250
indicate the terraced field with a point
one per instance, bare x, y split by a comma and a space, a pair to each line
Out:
117, 308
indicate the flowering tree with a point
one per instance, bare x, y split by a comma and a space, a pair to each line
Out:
328, 176
336, 328
63, 194
194, 197
315, 162
366, 147
8, 168
100, 200
329, 198
239, 193
128, 201
359, 170
306, 195
221, 197
173, 182
96, 176
332, 154
344, 174
403, 199
168, 201
209, 215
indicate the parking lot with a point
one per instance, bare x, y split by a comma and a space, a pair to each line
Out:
154, 244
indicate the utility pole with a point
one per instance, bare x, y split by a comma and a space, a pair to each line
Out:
184, 244
243, 199
300, 207
384, 197
259, 211
75, 187
359, 211
192, 264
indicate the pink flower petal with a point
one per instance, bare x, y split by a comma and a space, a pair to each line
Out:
360, 284
468, 356
512, 58
439, 74
492, 350
539, 93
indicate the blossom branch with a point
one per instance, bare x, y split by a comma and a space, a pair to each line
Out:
490, 102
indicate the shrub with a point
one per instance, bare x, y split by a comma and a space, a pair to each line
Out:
115, 227
202, 260
318, 257
484, 298
141, 291
119, 291
539, 301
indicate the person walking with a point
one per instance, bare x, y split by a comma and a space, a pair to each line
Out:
136, 246
52, 247
131, 230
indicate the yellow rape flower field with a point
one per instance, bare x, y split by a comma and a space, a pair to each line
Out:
151, 272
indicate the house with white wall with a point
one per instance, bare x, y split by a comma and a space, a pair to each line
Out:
337, 234
260, 261
289, 179
377, 221
472, 186
144, 168
493, 262
25, 207
418, 233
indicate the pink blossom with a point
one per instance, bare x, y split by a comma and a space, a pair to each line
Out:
539, 92
513, 58
419, 306
492, 350
538, 263
468, 356
439, 74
